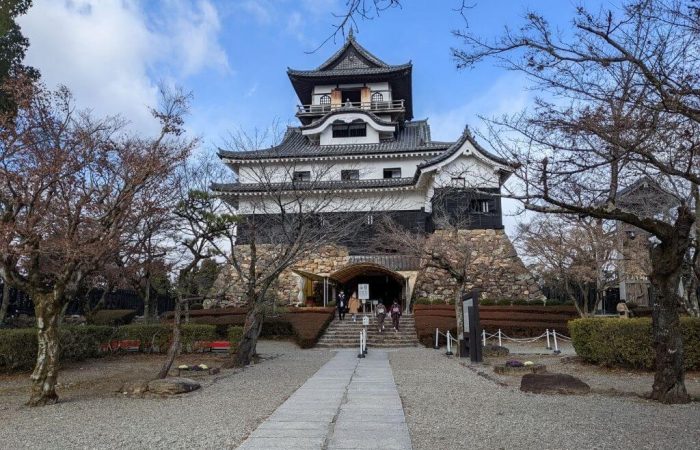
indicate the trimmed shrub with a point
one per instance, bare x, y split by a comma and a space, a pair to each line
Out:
83, 341
513, 320
308, 324
235, 334
629, 343
112, 317
18, 347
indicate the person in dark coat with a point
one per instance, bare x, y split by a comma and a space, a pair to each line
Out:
395, 312
341, 305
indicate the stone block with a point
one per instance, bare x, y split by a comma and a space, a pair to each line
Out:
553, 383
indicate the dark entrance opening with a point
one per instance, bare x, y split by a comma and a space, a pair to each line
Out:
385, 285
382, 288
353, 96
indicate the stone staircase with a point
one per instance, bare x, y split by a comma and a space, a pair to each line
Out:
346, 333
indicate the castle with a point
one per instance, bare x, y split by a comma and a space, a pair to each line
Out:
357, 129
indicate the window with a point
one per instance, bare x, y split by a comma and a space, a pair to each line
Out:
392, 173
304, 175
346, 175
354, 129
377, 97
458, 182
370, 219
353, 96
325, 99
479, 206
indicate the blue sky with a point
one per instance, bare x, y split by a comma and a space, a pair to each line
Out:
233, 56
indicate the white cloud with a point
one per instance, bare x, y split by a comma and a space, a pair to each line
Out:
506, 95
106, 51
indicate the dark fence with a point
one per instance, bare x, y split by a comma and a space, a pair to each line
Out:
20, 303
559, 294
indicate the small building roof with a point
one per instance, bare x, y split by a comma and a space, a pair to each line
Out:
352, 63
318, 185
412, 137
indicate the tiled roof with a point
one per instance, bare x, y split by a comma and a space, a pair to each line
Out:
313, 185
349, 71
413, 137
351, 58
393, 262
455, 147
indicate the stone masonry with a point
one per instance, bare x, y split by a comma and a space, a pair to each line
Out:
494, 264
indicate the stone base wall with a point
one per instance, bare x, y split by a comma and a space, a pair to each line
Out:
228, 290
495, 269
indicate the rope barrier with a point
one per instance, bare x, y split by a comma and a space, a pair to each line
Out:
551, 336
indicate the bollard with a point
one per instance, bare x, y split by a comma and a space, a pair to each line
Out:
500, 344
365, 341
362, 353
483, 337
556, 346
437, 334
449, 344
549, 347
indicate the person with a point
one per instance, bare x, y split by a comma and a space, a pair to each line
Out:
340, 304
354, 306
395, 312
380, 310
623, 310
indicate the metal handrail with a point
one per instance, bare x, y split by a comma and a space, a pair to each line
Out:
385, 105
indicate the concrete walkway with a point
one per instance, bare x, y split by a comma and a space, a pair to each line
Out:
350, 403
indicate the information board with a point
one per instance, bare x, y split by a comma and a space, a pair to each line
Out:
363, 291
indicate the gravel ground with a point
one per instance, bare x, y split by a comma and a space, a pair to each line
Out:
447, 406
219, 415
600, 379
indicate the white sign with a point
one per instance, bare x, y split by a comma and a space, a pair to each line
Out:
365, 321
466, 304
363, 291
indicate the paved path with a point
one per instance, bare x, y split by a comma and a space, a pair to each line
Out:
350, 403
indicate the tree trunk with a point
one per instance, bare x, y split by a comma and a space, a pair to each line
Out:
667, 258
5, 301
48, 312
251, 332
459, 312
147, 301
175, 342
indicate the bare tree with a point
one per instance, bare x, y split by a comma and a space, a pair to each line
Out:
284, 221
449, 248
67, 189
199, 224
619, 100
572, 254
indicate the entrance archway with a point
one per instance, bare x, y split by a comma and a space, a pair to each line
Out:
385, 285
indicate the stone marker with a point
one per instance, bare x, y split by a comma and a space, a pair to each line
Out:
553, 383
172, 385
532, 368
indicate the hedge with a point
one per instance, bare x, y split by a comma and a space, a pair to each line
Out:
18, 347
156, 337
304, 325
515, 320
235, 334
112, 317
629, 343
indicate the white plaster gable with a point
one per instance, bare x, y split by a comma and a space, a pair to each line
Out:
347, 118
